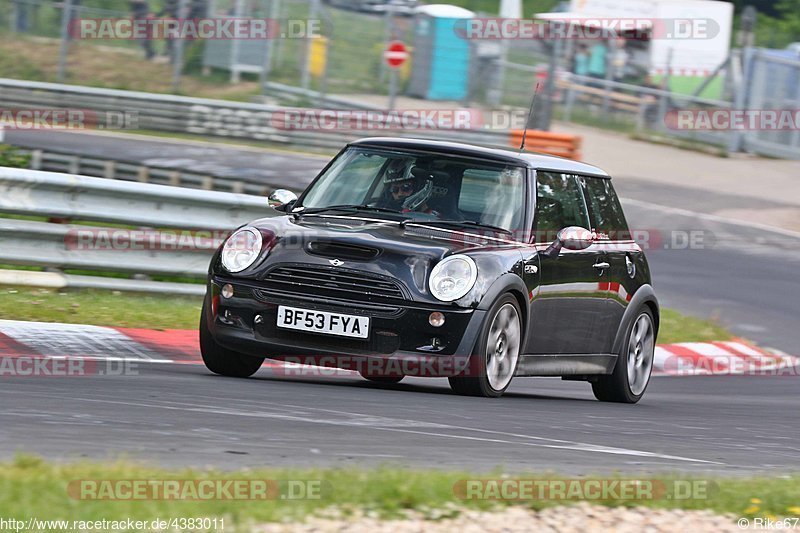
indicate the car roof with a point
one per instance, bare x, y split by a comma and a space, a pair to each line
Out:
500, 154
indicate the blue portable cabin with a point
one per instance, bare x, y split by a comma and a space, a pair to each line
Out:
440, 69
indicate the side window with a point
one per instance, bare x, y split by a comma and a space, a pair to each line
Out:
493, 195
608, 219
559, 203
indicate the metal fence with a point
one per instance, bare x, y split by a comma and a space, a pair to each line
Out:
353, 41
772, 83
133, 229
501, 74
633, 107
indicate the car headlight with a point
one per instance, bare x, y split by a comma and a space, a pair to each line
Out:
453, 277
241, 249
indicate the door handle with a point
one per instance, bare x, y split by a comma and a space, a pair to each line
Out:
601, 266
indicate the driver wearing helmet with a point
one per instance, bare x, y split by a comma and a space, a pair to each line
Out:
406, 192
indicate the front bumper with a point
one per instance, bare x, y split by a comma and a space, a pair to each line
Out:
398, 330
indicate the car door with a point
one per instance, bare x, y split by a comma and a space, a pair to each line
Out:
568, 305
612, 233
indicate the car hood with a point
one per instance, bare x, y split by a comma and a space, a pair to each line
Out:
374, 245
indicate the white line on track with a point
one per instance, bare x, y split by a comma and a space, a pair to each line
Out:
375, 425
557, 443
712, 218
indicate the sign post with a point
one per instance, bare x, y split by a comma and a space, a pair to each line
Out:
395, 55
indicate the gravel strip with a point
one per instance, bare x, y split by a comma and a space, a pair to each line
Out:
564, 519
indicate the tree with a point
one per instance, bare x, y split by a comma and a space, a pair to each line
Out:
789, 18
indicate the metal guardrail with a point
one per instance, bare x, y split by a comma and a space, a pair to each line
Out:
139, 242
203, 116
68, 246
47, 194
54, 161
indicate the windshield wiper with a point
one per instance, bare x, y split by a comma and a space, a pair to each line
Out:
346, 207
462, 223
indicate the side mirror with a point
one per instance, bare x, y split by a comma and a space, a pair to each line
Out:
571, 238
282, 199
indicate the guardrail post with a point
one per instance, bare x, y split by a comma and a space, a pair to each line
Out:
640, 116
36, 160
606, 98
143, 174
74, 165
110, 170
208, 183
175, 178
570, 103
741, 98
237, 187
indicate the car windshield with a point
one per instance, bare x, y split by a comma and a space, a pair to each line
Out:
423, 187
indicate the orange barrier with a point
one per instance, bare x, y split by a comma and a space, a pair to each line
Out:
560, 144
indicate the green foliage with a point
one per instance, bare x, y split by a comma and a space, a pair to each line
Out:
789, 21
34, 487
10, 156
778, 28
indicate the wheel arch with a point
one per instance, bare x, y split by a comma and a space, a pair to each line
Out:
644, 297
513, 285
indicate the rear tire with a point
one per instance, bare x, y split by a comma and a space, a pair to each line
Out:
493, 363
221, 360
631, 375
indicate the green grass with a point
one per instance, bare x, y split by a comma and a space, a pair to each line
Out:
677, 327
32, 487
114, 308
116, 67
100, 308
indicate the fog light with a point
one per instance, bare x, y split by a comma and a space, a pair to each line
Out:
227, 290
436, 319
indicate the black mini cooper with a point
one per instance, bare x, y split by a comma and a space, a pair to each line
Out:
417, 257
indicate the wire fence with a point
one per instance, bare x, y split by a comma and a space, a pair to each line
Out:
339, 52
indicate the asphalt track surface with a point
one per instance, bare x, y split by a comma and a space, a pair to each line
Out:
182, 415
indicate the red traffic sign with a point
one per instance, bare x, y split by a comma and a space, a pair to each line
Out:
395, 54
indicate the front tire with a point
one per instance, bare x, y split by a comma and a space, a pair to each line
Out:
494, 361
634, 364
221, 360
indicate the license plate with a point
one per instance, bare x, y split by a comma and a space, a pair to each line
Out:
323, 322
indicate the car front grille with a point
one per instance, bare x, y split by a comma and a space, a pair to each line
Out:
331, 282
